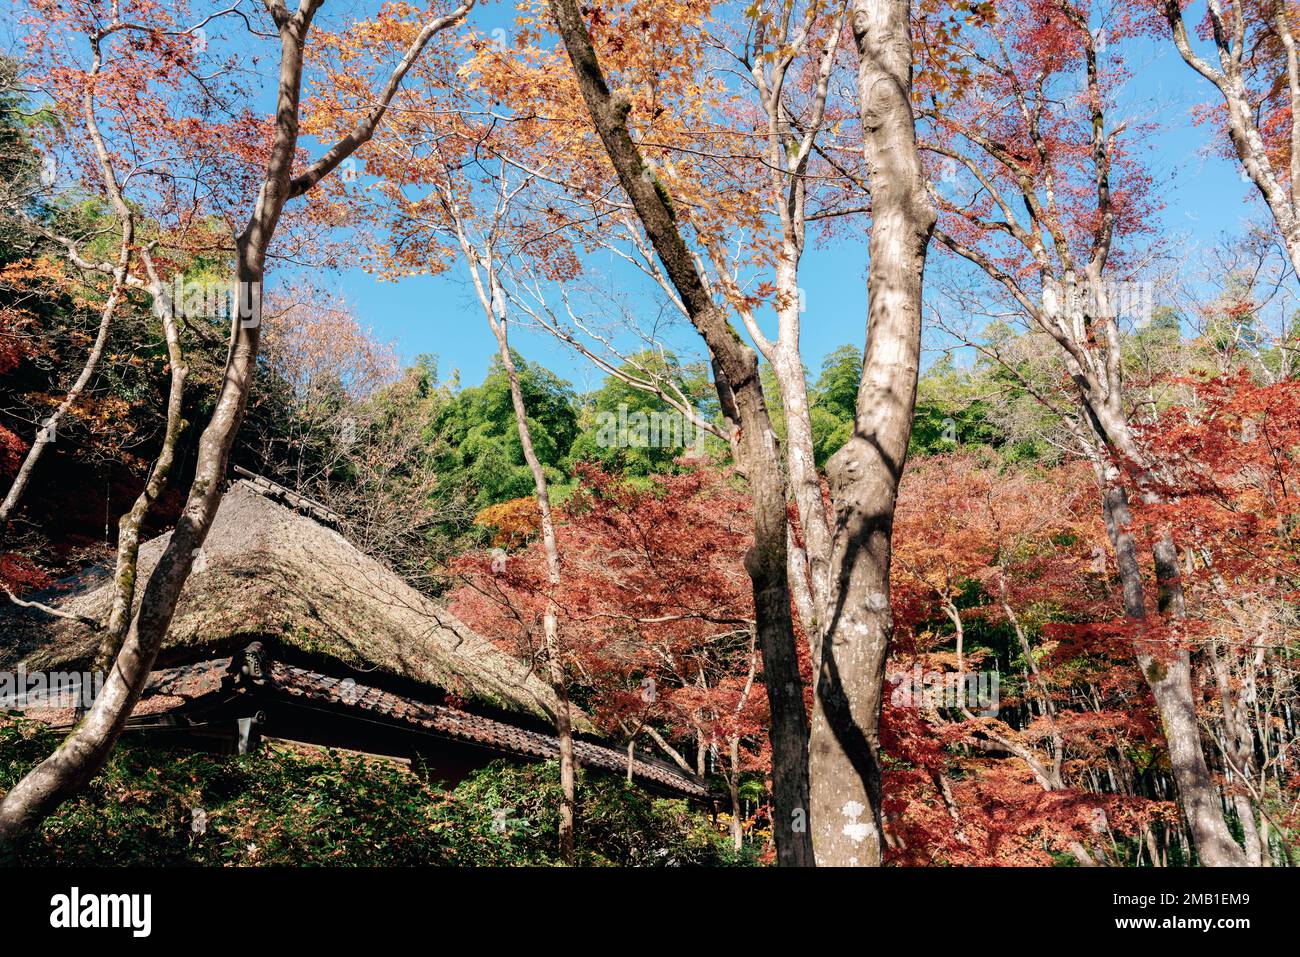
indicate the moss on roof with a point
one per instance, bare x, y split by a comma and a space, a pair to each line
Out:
267, 572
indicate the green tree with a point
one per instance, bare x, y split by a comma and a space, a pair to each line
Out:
834, 401
633, 432
483, 439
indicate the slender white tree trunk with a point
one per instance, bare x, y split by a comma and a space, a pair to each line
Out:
86, 749
493, 300
844, 759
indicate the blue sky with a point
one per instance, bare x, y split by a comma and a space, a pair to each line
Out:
1205, 199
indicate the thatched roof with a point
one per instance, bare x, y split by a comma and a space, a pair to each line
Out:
269, 573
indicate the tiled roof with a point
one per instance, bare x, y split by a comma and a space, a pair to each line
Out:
167, 690
463, 726
171, 688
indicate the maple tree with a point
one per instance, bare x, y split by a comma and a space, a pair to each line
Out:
655, 615
1084, 199
1227, 466
1108, 530
134, 632
1254, 65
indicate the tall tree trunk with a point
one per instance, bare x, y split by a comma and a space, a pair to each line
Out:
844, 750
1239, 751
85, 750
128, 527
733, 793
789, 147
120, 278
1169, 675
812, 580
494, 305
1168, 671
735, 368
48, 430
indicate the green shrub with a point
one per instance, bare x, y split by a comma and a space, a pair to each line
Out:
279, 807
267, 808
510, 814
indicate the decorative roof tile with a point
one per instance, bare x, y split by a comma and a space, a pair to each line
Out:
170, 689
463, 726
